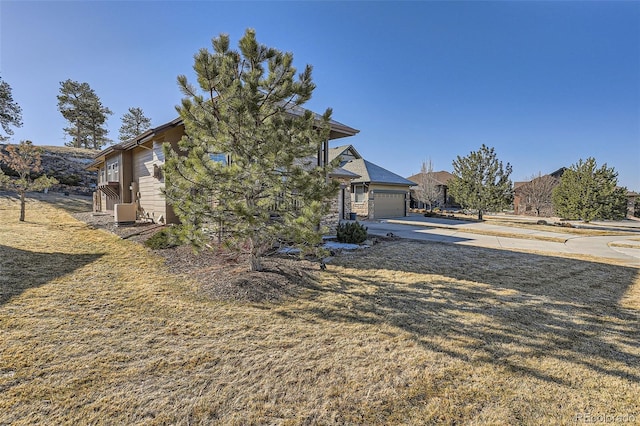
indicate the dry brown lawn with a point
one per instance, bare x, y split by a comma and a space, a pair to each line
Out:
535, 227
523, 224
593, 232
70, 203
503, 234
631, 246
94, 329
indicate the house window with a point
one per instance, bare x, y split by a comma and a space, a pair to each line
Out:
112, 172
359, 194
219, 158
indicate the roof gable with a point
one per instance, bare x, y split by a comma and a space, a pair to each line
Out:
558, 173
347, 151
440, 178
372, 173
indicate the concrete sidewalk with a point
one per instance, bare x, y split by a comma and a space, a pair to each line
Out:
453, 231
461, 225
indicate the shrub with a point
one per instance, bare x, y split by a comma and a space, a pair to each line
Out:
352, 233
71, 180
163, 239
564, 224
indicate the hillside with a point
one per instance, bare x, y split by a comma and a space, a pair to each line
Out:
67, 164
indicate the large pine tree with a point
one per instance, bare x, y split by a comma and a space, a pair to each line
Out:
82, 108
587, 192
247, 167
134, 122
481, 182
10, 111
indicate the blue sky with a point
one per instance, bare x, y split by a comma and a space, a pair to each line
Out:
545, 83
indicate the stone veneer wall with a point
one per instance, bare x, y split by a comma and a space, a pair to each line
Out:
361, 209
332, 219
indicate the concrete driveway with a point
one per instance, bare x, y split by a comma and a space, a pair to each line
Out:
453, 232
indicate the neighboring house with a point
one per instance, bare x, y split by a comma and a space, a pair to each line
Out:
130, 176
538, 187
376, 193
441, 181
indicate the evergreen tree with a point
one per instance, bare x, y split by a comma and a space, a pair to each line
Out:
10, 111
587, 192
80, 105
247, 166
134, 123
24, 160
481, 182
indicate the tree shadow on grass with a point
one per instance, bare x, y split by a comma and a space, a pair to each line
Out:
73, 203
492, 306
21, 270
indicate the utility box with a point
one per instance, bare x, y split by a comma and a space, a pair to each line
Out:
124, 214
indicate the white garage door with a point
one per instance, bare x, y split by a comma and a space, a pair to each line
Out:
388, 204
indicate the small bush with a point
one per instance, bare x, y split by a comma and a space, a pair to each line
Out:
71, 180
352, 233
541, 222
164, 239
564, 224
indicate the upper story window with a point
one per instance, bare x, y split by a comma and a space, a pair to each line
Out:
113, 174
219, 158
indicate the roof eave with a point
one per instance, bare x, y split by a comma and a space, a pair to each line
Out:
339, 130
137, 141
391, 183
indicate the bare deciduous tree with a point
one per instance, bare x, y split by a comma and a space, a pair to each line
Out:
428, 191
537, 192
23, 159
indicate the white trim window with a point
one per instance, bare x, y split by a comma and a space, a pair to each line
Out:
113, 174
359, 194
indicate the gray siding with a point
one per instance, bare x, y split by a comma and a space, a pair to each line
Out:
149, 187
